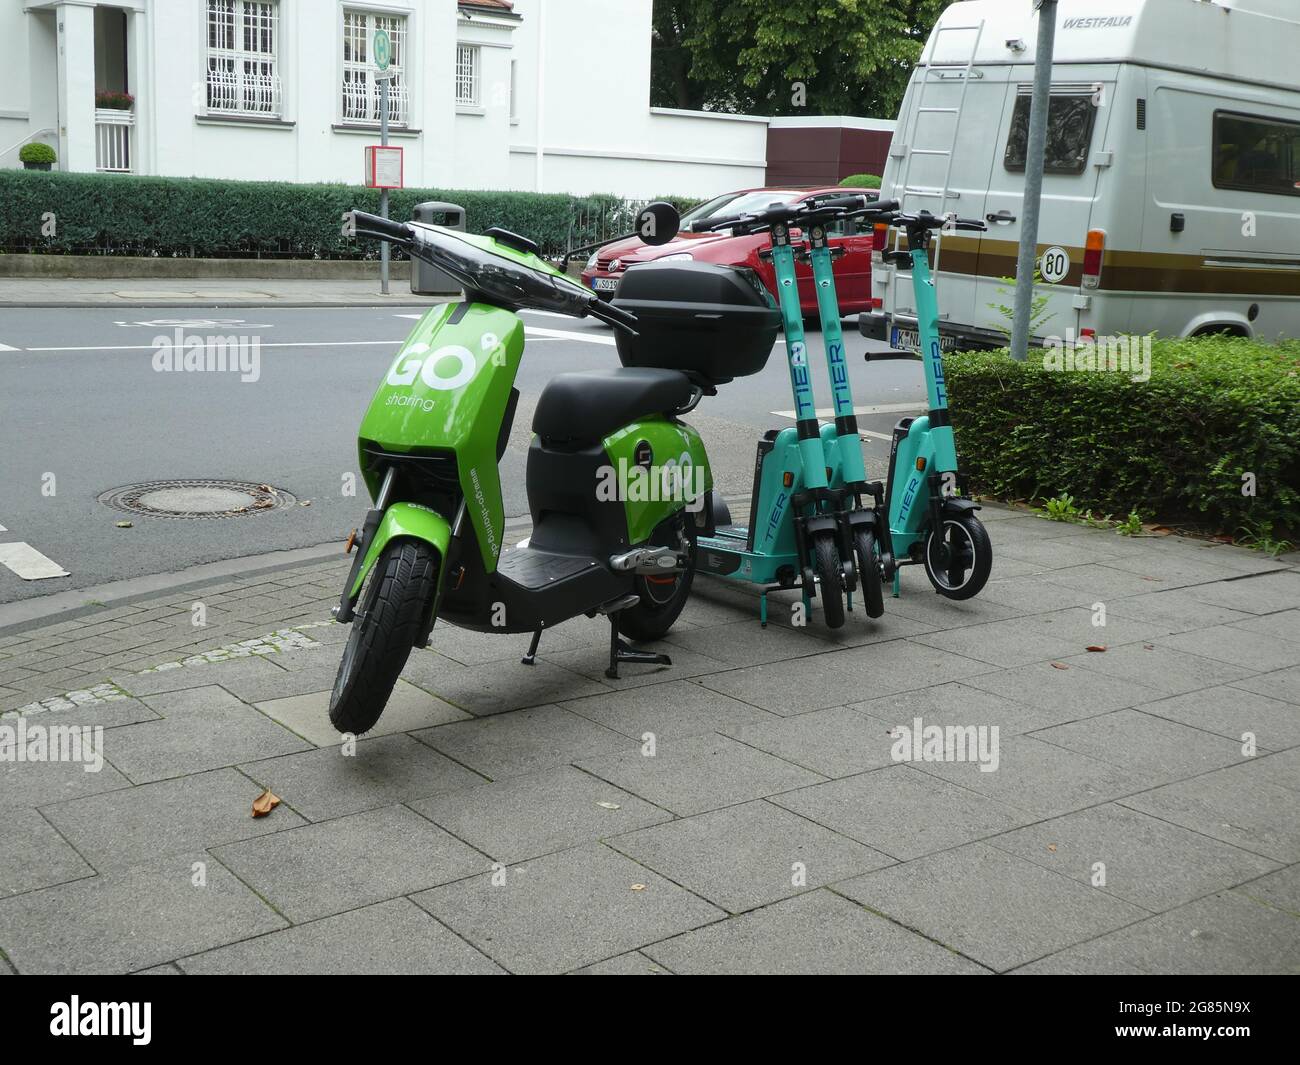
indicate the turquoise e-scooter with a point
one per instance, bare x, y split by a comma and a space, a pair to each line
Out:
806, 483
932, 520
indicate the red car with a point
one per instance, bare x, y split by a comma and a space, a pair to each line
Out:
852, 269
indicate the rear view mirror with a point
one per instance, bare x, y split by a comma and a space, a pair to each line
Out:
658, 223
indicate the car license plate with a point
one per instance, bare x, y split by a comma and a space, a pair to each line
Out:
909, 340
604, 284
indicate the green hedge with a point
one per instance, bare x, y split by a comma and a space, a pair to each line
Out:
861, 181
122, 214
1174, 448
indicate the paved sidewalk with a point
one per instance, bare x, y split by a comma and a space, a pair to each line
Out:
739, 811
204, 292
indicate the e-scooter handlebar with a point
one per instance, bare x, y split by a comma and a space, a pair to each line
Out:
378, 228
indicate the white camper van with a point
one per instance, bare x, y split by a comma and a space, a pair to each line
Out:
1171, 199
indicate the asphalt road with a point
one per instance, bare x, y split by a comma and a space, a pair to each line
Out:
83, 411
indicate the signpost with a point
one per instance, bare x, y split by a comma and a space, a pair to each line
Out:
383, 53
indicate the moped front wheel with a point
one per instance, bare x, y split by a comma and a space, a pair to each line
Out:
397, 595
959, 559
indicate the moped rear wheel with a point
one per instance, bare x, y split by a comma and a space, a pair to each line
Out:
873, 589
965, 570
394, 601
830, 578
662, 599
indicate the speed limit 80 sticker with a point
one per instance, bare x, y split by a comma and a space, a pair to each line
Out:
1054, 265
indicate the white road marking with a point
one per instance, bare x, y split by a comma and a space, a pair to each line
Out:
3, 529
568, 334
875, 436
273, 344
408, 316
28, 563
6, 347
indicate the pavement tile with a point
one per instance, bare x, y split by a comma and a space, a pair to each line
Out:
39, 783
1281, 684
350, 862
202, 728
328, 782
1284, 625
132, 918
1038, 638
838, 742
1148, 862
388, 938
35, 855
901, 812
956, 704
1101, 583
182, 815
479, 648
483, 692
818, 932
1232, 713
566, 910
1061, 552
1282, 769
408, 708
633, 963
1041, 778
1153, 749
1159, 668
744, 643
1235, 805
284, 683
989, 905
1174, 569
817, 683
523, 741
691, 774
524, 817
1226, 643
1280, 889
193, 676
1225, 934
923, 606
1266, 593
749, 855
1060, 695
592, 661
677, 708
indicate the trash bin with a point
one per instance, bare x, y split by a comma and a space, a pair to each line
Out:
428, 280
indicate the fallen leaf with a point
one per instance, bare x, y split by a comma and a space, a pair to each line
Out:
262, 504
1052, 847
305, 503
265, 803
1148, 647
609, 805
1150, 578
125, 524
1059, 665
638, 887
265, 488
1096, 647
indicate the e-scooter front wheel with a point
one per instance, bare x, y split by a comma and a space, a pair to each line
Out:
872, 583
395, 600
830, 578
959, 559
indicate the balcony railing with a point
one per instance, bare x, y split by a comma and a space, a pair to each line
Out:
113, 140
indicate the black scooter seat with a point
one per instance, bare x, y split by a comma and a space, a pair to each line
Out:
591, 404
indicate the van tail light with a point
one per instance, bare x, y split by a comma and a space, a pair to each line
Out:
1093, 253
877, 303
880, 238
1088, 336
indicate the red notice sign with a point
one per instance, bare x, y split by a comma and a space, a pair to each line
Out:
383, 167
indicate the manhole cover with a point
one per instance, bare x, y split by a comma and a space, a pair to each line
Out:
197, 499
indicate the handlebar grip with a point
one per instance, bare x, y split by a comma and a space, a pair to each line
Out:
852, 203
883, 205
378, 228
704, 225
885, 356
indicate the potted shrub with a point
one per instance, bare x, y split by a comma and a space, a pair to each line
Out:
112, 100
36, 156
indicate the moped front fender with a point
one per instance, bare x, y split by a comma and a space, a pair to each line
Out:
403, 521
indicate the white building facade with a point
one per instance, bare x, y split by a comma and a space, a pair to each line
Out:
549, 95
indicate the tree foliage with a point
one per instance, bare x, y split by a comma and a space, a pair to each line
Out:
788, 57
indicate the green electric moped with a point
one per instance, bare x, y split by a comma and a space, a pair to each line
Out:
618, 485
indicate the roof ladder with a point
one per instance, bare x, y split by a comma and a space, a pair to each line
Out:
965, 72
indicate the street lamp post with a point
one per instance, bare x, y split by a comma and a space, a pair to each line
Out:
1034, 160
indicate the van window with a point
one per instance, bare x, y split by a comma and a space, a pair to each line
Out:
1069, 134
1256, 154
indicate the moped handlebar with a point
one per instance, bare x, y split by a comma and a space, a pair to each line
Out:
379, 228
